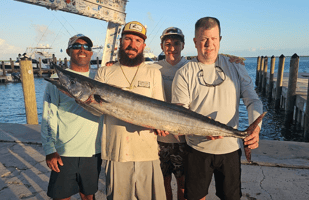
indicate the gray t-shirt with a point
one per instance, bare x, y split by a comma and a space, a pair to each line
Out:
220, 103
168, 72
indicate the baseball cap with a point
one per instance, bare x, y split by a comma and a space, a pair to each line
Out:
135, 28
73, 39
172, 31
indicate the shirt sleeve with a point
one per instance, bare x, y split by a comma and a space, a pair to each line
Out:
248, 95
180, 89
100, 75
49, 125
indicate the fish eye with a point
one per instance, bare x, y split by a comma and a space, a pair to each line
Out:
72, 81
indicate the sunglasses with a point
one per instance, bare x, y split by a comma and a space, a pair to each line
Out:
173, 30
220, 77
79, 46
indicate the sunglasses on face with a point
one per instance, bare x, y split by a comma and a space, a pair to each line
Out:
173, 30
79, 46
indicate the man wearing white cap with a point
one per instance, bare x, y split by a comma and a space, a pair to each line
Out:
133, 166
69, 133
172, 151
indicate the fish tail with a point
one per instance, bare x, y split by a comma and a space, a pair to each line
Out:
250, 130
255, 123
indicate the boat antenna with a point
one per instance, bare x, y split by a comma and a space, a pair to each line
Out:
44, 32
62, 24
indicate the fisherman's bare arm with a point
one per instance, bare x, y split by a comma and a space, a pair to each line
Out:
253, 139
52, 161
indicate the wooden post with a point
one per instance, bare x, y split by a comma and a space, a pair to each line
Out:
271, 78
3, 69
264, 84
29, 90
279, 81
98, 63
54, 59
60, 63
12, 65
65, 62
306, 125
291, 93
40, 68
261, 73
258, 68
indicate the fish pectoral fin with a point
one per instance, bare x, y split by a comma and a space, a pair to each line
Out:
99, 99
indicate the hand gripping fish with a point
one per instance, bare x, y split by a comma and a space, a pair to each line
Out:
100, 98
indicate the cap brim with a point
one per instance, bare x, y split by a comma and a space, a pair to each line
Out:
162, 36
135, 33
86, 39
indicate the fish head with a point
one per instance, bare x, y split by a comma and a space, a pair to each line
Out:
75, 84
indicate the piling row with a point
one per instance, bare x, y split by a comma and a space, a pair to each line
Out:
296, 109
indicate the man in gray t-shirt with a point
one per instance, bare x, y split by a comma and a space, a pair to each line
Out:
212, 86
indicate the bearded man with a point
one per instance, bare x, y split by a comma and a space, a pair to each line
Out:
133, 167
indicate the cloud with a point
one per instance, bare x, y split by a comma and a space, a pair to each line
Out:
150, 16
8, 51
43, 34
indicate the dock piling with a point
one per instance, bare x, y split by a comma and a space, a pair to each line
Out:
3, 69
29, 90
261, 74
258, 68
306, 125
40, 73
12, 65
98, 63
279, 81
291, 93
271, 78
264, 83
65, 62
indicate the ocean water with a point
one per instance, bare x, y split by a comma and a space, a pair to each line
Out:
12, 108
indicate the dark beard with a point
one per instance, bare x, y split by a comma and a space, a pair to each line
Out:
125, 60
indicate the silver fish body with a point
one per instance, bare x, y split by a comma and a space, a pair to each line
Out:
100, 98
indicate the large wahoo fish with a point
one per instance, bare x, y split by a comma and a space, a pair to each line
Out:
100, 98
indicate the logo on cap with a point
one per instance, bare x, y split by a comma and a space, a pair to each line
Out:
135, 28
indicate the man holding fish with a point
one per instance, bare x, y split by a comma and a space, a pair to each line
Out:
133, 166
212, 86
69, 133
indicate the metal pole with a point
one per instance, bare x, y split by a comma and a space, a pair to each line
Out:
279, 81
291, 93
29, 90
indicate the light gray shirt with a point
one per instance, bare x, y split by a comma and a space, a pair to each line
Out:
221, 103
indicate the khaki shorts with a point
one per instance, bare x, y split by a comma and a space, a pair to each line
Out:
134, 180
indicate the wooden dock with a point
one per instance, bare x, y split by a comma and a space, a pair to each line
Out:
287, 95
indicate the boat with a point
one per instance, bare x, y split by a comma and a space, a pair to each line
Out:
37, 53
97, 53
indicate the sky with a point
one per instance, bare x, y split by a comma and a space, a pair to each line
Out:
249, 28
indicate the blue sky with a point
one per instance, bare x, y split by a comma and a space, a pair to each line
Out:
249, 28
